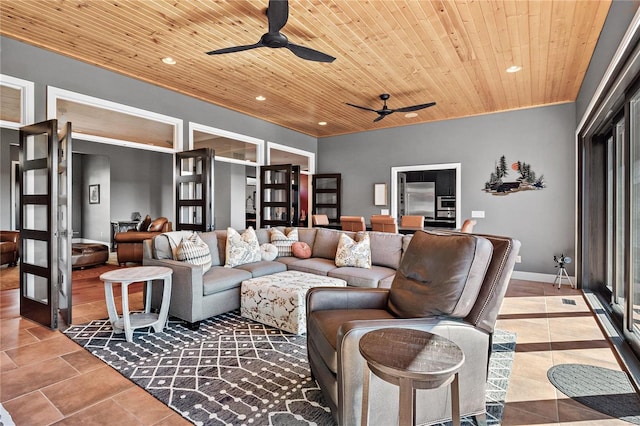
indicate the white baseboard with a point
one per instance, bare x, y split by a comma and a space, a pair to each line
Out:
88, 241
535, 276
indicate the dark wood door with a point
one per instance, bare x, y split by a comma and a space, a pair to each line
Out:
279, 195
64, 232
39, 249
194, 190
326, 195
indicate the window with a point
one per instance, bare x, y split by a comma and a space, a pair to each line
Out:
16, 102
99, 120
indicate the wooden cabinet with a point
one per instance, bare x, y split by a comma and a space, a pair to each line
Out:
327, 195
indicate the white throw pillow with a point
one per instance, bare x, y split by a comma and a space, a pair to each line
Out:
195, 251
241, 249
268, 251
283, 242
352, 253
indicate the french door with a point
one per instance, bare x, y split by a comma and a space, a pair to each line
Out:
45, 234
194, 190
279, 195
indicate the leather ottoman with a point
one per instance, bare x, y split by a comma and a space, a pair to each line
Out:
88, 254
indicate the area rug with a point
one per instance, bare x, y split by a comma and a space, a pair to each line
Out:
237, 371
601, 389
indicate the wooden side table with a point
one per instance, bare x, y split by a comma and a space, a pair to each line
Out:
129, 322
410, 359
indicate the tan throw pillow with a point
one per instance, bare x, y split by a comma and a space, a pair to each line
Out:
283, 242
195, 251
241, 249
301, 250
354, 253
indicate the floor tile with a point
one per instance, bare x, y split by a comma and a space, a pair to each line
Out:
34, 376
32, 409
104, 413
86, 389
132, 399
42, 350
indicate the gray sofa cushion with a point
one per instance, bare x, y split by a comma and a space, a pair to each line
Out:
317, 265
386, 249
307, 235
219, 278
264, 267
439, 275
325, 244
212, 241
361, 277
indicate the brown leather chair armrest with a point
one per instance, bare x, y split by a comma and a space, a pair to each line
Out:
134, 237
325, 298
10, 236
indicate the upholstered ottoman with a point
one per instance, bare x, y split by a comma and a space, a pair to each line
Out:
88, 254
278, 299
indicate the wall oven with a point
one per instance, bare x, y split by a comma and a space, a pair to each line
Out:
446, 203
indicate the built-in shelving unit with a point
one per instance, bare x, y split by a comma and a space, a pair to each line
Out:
327, 195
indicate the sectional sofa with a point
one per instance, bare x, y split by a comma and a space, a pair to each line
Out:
197, 296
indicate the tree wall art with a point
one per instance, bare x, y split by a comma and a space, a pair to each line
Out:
499, 184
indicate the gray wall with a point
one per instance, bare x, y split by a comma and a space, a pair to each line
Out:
96, 170
542, 137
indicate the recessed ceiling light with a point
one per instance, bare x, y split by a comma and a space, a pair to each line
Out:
260, 98
411, 114
322, 123
169, 60
514, 68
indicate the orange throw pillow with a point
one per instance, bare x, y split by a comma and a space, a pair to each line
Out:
301, 250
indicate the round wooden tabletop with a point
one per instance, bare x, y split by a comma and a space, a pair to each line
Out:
426, 358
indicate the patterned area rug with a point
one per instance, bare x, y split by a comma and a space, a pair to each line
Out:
237, 371
602, 389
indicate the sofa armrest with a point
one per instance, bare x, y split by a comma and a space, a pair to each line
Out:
187, 288
329, 298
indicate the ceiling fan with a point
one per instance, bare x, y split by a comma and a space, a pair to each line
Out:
382, 113
277, 16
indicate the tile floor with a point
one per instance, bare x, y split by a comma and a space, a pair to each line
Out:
46, 379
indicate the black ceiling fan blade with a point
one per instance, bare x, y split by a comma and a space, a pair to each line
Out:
277, 14
361, 107
309, 54
235, 49
380, 117
415, 107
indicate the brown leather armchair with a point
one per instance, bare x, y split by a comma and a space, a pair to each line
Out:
9, 242
449, 284
129, 244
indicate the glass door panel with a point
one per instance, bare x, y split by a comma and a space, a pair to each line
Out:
634, 210
194, 190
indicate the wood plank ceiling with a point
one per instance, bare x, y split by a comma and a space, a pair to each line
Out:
452, 52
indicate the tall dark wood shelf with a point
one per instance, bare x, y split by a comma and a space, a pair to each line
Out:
327, 195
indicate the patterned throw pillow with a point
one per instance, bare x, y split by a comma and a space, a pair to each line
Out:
301, 250
241, 249
352, 253
195, 251
283, 242
268, 251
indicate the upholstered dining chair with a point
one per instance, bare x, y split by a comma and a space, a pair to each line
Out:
467, 225
450, 284
319, 219
410, 221
352, 223
384, 223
